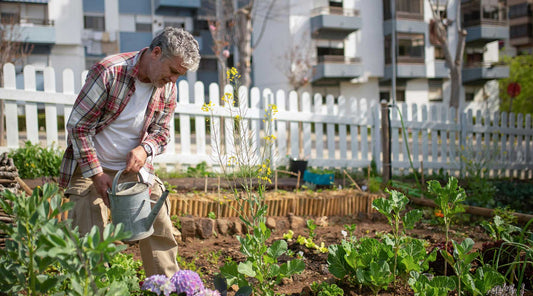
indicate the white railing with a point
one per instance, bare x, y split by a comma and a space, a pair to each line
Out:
329, 132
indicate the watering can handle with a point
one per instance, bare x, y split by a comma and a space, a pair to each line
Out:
117, 177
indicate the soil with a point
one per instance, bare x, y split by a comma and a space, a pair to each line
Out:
208, 255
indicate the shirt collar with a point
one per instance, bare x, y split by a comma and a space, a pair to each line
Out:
134, 64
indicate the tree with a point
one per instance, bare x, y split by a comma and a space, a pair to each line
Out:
520, 71
12, 50
439, 27
297, 63
238, 20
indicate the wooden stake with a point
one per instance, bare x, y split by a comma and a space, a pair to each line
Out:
205, 186
276, 181
24, 186
422, 176
351, 179
298, 182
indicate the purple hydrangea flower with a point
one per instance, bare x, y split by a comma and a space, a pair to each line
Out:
188, 282
207, 292
158, 284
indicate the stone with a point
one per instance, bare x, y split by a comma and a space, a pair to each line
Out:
205, 228
223, 226
177, 233
188, 227
297, 222
236, 227
271, 223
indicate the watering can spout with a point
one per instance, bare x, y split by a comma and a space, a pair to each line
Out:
155, 210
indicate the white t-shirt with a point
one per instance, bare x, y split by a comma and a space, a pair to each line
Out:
114, 142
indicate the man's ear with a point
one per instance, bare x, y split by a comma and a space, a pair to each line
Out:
157, 52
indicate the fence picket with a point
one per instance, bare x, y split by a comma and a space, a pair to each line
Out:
32, 122
354, 109
294, 140
50, 109
343, 137
319, 128
330, 128
281, 131
306, 125
199, 120
184, 120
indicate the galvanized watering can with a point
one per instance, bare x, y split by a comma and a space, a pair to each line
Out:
130, 205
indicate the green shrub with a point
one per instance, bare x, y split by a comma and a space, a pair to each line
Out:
33, 161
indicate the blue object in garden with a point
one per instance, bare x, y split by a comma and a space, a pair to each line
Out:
319, 179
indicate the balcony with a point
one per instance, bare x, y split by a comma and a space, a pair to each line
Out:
407, 68
479, 73
485, 21
36, 31
334, 22
331, 69
177, 4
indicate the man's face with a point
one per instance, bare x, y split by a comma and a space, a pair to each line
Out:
163, 70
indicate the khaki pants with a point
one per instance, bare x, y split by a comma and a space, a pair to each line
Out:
158, 252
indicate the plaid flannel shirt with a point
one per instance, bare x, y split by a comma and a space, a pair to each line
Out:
107, 89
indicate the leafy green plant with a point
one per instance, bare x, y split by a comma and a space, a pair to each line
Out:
123, 268
33, 161
261, 263
461, 260
171, 188
325, 289
21, 269
365, 262
392, 209
449, 200
43, 255
430, 285
499, 229
311, 225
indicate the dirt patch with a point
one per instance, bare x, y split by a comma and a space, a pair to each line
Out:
208, 255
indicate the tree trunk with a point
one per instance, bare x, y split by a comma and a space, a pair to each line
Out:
244, 44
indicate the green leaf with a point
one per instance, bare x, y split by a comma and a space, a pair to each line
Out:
411, 218
277, 249
292, 267
382, 205
336, 263
246, 268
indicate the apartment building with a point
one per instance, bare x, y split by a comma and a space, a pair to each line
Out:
320, 46
52, 28
351, 47
521, 25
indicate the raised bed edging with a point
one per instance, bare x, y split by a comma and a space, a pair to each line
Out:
304, 203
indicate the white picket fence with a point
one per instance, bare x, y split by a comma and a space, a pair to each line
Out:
328, 132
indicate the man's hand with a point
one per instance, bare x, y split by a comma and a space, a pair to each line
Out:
136, 159
102, 182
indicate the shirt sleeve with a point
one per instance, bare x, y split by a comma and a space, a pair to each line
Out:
158, 133
84, 120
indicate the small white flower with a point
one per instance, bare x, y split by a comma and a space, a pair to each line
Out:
344, 233
301, 254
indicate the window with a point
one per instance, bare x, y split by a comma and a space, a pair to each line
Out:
435, 91
96, 23
519, 31
411, 45
9, 18
208, 65
439, 53
174, 24
143, 27
520, 10
412, 6
469, 96
335, 3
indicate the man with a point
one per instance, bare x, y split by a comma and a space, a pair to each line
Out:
120, 120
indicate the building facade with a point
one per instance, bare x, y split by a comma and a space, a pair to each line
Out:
338, 47
52, 29
350, 44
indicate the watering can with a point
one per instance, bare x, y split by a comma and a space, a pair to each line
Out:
130, 205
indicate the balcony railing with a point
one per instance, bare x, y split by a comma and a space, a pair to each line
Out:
338, 59
334, 11
482, 64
